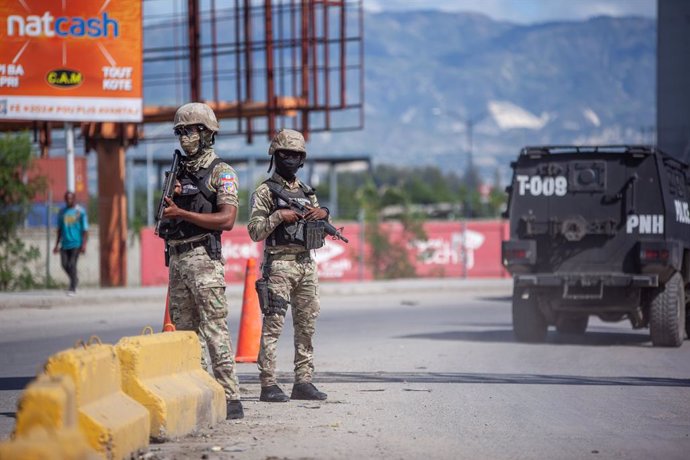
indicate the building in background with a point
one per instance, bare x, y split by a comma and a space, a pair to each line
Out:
673, 68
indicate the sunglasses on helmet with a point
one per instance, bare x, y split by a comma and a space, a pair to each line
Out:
187, 130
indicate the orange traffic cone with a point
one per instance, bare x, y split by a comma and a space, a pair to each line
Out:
168, 325
249, 336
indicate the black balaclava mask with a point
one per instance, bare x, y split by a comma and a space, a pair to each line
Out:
287, 167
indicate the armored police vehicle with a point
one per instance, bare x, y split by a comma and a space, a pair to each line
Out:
599, 231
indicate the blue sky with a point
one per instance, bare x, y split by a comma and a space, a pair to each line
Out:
525, 11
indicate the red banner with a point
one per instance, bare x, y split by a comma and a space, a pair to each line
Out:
451, 250
54, 170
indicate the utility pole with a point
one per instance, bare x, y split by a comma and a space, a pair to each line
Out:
471, 177
69, 156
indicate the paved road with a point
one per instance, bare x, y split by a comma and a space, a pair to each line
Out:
413, 370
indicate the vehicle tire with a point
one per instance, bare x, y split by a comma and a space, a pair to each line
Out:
572, 324
529, 324
667, 320
687, 312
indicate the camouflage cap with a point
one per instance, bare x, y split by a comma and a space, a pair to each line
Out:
196, 113
288, 139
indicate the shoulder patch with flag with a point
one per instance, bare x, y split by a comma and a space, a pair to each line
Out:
228, 181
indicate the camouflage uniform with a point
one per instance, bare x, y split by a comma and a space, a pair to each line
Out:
197, 281
197, 293
293, 280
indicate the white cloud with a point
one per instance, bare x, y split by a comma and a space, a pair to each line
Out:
592, 117
525, 11
408, 116
510, 116
484, 161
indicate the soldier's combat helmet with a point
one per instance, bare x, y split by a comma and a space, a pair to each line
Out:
196, 113
288, 139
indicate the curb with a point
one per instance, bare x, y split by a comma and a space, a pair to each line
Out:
91, 297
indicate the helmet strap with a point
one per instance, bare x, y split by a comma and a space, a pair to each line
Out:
203, 144
270, 165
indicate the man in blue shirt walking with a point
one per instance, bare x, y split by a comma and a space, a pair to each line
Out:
72, 232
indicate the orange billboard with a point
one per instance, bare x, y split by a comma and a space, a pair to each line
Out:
76, 60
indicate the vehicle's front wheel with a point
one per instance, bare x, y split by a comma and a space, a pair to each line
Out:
667, 322
572, 323
687, 312
529, 324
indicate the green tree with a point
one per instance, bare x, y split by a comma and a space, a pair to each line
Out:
16, 193
388, 258
423, 185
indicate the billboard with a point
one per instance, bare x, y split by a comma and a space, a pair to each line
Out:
77, 60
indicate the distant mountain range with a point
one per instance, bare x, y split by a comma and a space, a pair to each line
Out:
427, 72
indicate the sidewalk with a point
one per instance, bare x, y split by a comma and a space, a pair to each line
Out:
101, 296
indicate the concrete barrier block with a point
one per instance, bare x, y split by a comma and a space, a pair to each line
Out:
48, 402
114, 424
46, 425
163, 372
43, 444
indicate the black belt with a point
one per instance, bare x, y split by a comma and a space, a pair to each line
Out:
185, 247
301, 257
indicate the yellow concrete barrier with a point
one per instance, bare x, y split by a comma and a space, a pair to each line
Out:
46, 425
163, 372
42, 444
114, 424
48, 402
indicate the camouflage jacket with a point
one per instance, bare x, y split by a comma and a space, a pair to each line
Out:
264, 218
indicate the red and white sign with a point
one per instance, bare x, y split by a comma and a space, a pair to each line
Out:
76, 60
451, 250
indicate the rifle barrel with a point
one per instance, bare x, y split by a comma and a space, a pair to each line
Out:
168, 188
330, 229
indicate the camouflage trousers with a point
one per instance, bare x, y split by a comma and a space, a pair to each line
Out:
198, 303
296, 285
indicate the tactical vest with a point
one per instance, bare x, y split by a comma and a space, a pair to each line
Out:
196, 196
307, 234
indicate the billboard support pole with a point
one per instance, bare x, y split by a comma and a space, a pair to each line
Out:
149, 185
69, 156
112, 213
49, 207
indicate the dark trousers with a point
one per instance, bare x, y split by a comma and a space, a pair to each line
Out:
68, 258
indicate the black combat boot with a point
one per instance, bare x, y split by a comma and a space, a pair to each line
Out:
273, 394
235, 411
307, 391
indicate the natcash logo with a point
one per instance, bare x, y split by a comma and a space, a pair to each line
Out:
64, 78
64, 26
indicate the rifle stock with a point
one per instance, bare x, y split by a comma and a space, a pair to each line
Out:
168, 187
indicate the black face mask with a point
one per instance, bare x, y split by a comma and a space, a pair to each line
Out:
287, 167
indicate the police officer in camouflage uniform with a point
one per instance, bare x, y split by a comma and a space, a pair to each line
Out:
289, 272
204, 205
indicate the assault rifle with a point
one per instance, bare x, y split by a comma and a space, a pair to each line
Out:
296, 205
168, 187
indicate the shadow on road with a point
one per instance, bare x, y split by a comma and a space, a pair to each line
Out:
496, 324
438, 377
502, 298
14, 383
506, 336
460, 377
